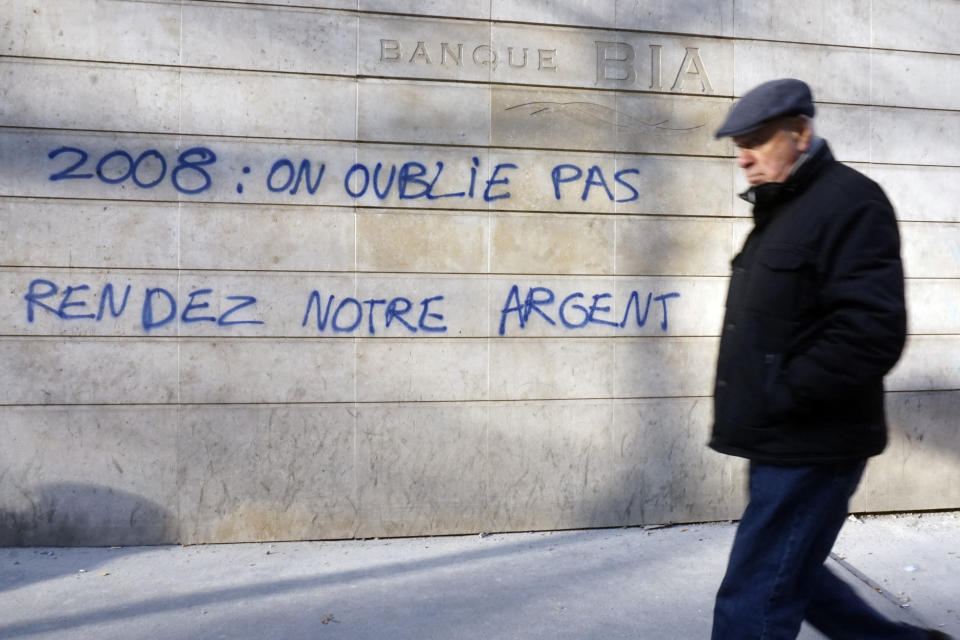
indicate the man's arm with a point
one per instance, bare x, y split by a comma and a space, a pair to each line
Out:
864, 326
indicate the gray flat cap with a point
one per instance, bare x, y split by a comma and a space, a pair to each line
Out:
784, 97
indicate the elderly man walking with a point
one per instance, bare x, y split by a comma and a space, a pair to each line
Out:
815, 318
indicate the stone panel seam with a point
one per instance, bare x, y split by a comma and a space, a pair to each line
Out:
432, 145
441, 275
362, 403
372, 403
372, 208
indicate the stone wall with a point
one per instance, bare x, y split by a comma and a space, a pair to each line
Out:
325, 269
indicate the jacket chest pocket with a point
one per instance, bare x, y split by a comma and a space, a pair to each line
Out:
781, 284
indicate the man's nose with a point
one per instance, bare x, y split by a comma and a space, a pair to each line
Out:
745, 158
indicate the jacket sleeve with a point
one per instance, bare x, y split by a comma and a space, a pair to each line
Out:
863, 326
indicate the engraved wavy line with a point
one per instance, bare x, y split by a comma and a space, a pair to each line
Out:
599, 112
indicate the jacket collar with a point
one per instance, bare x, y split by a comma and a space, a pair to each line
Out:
801, 174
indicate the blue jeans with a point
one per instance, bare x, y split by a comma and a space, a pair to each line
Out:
776, 577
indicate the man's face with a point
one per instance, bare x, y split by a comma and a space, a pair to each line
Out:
767, 155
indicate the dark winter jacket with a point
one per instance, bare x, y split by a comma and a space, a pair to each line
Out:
815, 317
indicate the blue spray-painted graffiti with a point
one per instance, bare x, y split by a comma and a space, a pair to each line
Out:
330, 313
572, 314
563, 173
159, 305
412, 185
351, 310
294, 177
188, 175
411, 180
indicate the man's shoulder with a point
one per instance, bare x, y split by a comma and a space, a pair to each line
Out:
839, 196
846, 184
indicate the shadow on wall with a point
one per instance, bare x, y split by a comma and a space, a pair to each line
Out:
77, 514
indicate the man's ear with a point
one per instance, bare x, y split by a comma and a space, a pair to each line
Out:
804, 133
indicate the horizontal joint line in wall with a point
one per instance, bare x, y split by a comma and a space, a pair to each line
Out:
882, 106
534, 87
885, 106
920, 51
682, 34
550, 212
435, 145
927, 221
180, 134
178, 67
914, 391
359, 143
400, 78
348, 402
12, 337
186, 270
733, 39
52, 337
362, 76
241, 4
370, 208
492, 22
867, 48
492, 147
616, 90
902, 164
373, 208
107, 201
608, 152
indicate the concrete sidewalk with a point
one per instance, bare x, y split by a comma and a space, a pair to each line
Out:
617, 583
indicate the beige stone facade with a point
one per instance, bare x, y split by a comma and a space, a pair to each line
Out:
354, 268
